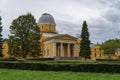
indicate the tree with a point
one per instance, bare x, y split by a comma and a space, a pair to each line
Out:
14, 46
85, 49
25, 36
1, 39
110, 46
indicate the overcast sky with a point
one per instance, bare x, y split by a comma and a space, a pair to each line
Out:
102, 16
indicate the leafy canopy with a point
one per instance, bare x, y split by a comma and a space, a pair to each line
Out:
25, 37
110, 46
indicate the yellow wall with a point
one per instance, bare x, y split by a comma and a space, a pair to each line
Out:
96, 53
49, 46
48, 50
5, 49
47, 28
117, 53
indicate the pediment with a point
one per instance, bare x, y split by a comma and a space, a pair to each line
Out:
66, 37
62, 37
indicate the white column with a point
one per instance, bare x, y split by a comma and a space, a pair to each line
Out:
74, 50
58, 51
63, 52
68, 50
54, 49
61, 49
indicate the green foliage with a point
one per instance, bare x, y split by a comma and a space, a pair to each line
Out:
25, 37
1, 39
8, 59
112, 68
41, 59
110, 46
85, 42
14, 46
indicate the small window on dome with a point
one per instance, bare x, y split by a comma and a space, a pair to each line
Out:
42, 27
50, 27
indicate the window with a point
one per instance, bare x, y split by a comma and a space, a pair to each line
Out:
50, 27
95, 54
44, 52
42, 27
47, 52
95, 49
100, 54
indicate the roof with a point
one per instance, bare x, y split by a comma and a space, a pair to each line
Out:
46, 18
94, 45
118, 49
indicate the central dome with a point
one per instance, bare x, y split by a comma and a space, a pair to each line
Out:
46, 19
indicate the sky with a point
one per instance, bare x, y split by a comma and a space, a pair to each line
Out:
102, 16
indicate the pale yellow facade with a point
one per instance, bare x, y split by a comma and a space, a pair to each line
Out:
117, 52
97, 53
5, 50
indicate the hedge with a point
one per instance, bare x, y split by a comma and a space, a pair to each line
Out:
104, 68
107, 59
8, 59
41, 59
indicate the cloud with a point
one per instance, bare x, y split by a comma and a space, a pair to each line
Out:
112, 15
102, 16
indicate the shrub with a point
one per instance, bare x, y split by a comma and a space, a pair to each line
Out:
40, 59
112, 68
8, 59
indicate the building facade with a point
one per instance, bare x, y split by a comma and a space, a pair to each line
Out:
55, 45
61, 45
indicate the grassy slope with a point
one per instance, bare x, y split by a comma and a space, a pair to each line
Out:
44, 75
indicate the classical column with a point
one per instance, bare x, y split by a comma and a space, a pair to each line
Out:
54, 49
74, 50
68, 50
61, 50
58, 48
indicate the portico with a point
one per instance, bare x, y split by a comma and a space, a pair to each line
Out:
62, 46
64, 50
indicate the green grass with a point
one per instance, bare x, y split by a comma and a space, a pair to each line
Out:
6, 74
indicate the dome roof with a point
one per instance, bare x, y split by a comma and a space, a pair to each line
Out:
46, 18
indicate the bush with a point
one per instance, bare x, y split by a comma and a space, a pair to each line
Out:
8, 59
40, 59
107, 59
112, 68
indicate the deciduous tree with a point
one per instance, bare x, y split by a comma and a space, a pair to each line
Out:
25, 36
110, 46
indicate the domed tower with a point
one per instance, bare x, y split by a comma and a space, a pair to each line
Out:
47, 24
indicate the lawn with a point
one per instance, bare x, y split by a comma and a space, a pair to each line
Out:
6, 74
